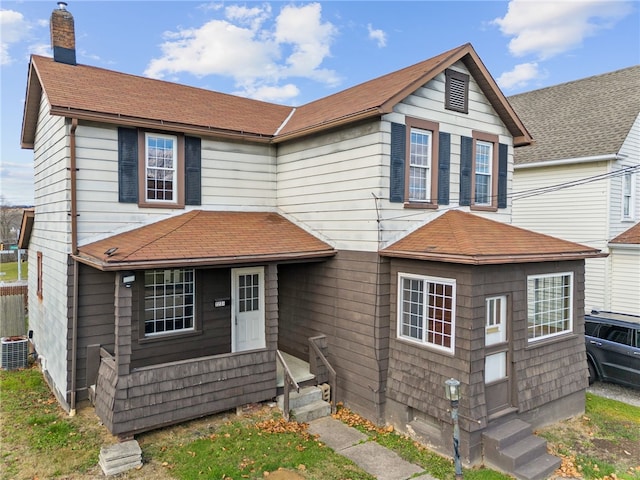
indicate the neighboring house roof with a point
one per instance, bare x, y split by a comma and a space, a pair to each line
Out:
92, 93
628, 237
26, 227
585, 118
460, 237
205, 238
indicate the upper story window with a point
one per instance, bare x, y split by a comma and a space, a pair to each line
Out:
549, 305
169, 301
456, 91
627, 196
420, 165
483, 172
426, 310
158, 169
161, 155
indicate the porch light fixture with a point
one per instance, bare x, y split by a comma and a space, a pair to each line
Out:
128, 278
452, 392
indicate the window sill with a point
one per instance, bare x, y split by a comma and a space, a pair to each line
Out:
423, 205
169, 336
484, 208
551, 340
426, 346
160, 205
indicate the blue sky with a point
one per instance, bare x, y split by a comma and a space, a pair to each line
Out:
294, 52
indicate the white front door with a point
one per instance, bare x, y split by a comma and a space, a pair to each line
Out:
247, 298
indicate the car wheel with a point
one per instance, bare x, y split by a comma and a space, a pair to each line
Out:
593, 374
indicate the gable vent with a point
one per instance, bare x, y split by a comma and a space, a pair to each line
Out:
457, 91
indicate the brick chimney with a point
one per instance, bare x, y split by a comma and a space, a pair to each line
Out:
63, 37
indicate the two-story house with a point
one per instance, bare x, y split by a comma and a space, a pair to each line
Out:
579, 179
181, 237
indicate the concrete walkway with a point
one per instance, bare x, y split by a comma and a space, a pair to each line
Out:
372, 457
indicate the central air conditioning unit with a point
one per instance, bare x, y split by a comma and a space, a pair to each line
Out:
14, 352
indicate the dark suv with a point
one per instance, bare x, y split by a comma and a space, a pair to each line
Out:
613, 347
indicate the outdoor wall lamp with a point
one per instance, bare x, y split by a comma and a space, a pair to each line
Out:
452, 392
128, 278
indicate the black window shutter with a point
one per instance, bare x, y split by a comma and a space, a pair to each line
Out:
444, 167
503, 150
127, 165
466, 150
396, 185
192, 167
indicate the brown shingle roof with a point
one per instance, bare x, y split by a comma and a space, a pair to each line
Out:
94, 93
583, 118
86, 92
206, 238
631, 236
378, 96
460, 237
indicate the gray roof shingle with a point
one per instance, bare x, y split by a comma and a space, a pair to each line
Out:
582, 118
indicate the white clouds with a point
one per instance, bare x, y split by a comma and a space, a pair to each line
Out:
545, 29
379, 36
549, 28
520, 76
256, 52
13, 29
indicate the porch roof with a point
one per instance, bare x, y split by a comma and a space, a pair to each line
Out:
201, 238
461, 237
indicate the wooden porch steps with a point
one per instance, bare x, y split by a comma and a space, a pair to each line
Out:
512, 448
306, 405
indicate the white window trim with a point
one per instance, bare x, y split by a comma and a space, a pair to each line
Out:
500, 314
193, 306
175, 182
428, 167
632, 197
489, 175
571, 298
400, 299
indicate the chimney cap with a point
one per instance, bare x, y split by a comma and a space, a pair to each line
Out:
62, 5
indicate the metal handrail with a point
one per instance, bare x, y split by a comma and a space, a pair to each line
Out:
333, 384
288, 383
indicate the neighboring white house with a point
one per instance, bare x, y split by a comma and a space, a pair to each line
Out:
625, 270
579, 179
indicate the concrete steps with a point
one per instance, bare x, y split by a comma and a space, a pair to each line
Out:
306, 405
512, 448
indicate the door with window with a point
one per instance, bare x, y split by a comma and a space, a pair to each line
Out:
496, 362
247, 297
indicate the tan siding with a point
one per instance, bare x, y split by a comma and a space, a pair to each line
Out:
51, 235
234, 176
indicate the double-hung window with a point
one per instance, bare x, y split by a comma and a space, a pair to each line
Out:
549, 305
169, 301
426, 310
483, 173
161, 156
420, 165
627, 196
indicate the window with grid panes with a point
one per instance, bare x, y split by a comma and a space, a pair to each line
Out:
426, 310
420, 165
169, 301
549, 305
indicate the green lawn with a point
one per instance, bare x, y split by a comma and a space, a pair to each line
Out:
9, 270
